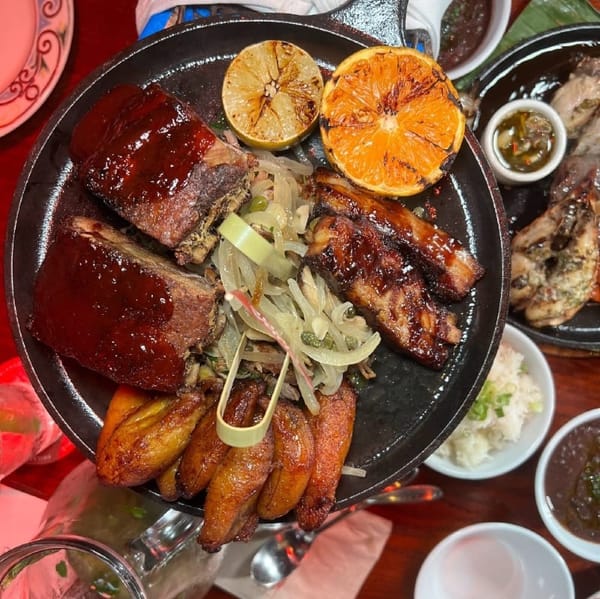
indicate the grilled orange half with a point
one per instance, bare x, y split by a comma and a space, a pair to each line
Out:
391, 120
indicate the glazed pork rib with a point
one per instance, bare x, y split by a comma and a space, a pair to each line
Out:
451, 270
384, 286
153, 160
121, 310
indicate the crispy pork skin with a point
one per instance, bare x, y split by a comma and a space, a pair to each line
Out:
119, 309
159, 166
384, 286
450, 268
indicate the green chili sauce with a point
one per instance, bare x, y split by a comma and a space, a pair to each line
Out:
524, 141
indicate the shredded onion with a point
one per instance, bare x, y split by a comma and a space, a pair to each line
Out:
352, 471
322, 334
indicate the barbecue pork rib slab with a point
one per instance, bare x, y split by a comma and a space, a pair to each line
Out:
121, 310
451, 270
384, 286
153, 160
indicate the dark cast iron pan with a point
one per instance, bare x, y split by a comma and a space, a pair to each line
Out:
535, 69
408, 410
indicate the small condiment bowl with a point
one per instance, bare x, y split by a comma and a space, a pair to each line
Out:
534, 431
586, 549
506, 175
494, 560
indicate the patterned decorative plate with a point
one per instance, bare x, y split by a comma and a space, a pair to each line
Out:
34, 45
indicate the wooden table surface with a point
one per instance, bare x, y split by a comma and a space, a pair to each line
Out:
101, 30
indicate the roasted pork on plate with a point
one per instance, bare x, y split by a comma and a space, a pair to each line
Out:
384, 286
121, 310
578, 98
451, 270
153, 160
555, 260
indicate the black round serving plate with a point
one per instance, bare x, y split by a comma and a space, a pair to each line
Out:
408, 410
536, 68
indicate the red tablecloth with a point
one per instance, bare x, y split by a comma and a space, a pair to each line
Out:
102, 29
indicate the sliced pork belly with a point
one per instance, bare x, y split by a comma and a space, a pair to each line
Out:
121, 310
451, 270
153, 160
384, 286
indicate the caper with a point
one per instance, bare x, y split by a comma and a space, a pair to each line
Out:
350, 312
258, 204
351, 342
309, 338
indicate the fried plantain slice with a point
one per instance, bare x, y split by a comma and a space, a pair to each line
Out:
150, 438
124, 401
233, 491
248, 528
293, 461
332, 430
206, 450
167, 482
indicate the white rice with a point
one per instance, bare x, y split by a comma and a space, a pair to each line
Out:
474, 440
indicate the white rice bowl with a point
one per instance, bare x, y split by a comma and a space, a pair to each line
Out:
520, 408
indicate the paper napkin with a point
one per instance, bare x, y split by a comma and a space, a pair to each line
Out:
336, 566
21, 517
146, 8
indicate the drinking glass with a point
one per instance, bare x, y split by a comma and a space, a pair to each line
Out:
98, 541
26, 429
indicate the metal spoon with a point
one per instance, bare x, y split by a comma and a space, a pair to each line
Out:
281, 554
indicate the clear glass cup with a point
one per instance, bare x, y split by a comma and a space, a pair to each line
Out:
98, 541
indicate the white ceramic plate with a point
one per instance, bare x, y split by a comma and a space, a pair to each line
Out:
35, 39
534, 431
494, 560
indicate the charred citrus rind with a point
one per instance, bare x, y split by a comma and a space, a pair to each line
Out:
391, 120
271, 94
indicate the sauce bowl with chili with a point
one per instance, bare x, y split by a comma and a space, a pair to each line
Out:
524, 141
567, 485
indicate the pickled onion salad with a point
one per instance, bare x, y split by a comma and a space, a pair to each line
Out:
283, 301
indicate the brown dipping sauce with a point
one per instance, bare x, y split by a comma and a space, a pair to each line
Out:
464, 26
573, 481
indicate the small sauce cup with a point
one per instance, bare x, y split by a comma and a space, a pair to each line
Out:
524, 141
465, 47
555, 484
